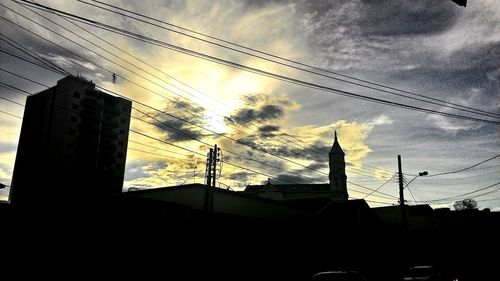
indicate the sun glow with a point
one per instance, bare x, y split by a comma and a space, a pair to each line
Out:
215, 122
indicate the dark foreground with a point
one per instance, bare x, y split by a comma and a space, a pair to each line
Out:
103, 244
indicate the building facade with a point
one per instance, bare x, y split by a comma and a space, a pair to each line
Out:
72, 146
336, 189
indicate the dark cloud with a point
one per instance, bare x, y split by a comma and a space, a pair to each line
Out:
252, 100
317, 166
185, 121
395, 18
313, 172
248, 115
240, 176
467, 74
268, 128
267, 131
142, 168
290, 179
178, 131
183, 106
72, 58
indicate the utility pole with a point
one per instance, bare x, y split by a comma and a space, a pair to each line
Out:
208, 174
214, 164
215, 160
401, 194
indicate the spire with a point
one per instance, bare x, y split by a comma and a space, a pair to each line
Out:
336, 149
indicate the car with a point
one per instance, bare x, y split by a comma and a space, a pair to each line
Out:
338, 276
422, 273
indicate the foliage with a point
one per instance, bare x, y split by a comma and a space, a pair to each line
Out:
466, 204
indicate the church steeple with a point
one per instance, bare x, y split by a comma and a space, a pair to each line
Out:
336, 149
337, 176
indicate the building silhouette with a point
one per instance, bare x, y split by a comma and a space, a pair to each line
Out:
72, 146
335, 190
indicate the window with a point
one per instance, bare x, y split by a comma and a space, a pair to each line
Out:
120, 143
76, 94
122, 131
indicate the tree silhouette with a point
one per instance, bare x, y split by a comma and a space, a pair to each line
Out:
466, 204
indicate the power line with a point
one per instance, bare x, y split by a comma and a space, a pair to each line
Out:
148, 152
28, 61
375, 190
32, 54
16, 89
4, 112
154, 147
468, 193
194, 175
259, 71
411, 193
464, 169
19, 57
14, 102
469, 182
442, 103
425, 197
22, 77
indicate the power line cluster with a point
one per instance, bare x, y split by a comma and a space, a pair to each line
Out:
261, 72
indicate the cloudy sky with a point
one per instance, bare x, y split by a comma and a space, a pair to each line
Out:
427, 48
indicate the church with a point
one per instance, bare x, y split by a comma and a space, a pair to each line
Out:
335, 190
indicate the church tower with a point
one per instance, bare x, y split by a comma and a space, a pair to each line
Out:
337, 174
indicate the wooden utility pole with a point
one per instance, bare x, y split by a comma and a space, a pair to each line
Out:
401, 193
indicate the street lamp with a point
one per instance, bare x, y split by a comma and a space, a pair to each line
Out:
421, 174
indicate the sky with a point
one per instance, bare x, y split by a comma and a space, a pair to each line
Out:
431, 48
